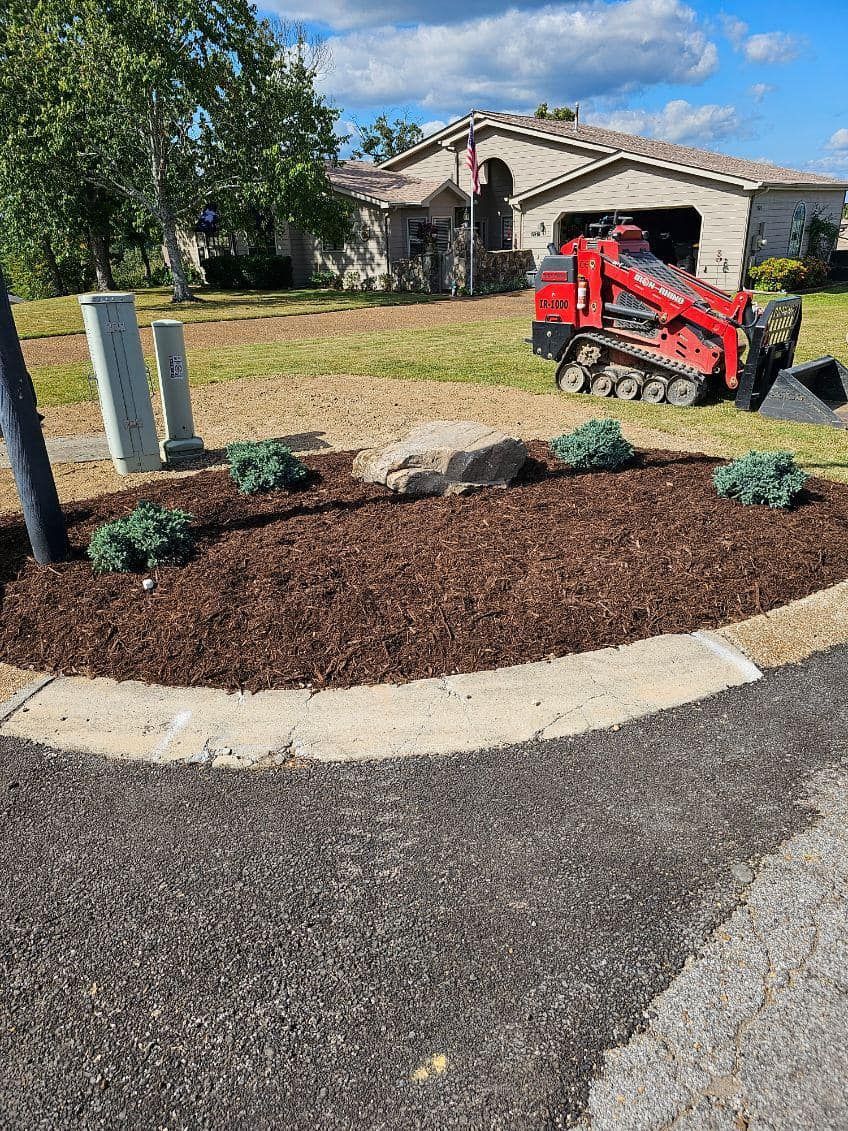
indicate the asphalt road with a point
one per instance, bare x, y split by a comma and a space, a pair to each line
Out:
428, 943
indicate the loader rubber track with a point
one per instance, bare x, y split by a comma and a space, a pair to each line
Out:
671, 367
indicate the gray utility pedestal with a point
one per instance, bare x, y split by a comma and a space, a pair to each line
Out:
114, 343
180, 441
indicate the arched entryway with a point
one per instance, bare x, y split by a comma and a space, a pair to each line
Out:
493, 216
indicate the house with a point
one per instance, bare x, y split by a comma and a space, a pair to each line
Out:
544, 181
392, 210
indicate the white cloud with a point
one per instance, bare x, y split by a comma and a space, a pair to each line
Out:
838, 140
433, 127
347, 14
763, 47
735, 29
561, 52
771, 47
677, 121
759, 90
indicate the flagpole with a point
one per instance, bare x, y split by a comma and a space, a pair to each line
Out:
471, 244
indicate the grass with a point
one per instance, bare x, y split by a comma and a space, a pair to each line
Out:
494, 353
58, 316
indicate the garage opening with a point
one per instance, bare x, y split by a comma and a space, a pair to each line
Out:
674, 233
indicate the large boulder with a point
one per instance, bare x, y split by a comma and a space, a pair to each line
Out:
443, 457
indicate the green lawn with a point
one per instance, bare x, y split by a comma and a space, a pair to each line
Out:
56, 316
494, 353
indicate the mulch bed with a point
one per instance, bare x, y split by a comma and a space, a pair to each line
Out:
342, 583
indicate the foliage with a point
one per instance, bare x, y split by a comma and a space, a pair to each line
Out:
351, 281
148, 537
109, 105
381, 139
263, 465
822, 234
788, 274
28, 270
258, 271
766, 478
556, 113
325, 278
597, 445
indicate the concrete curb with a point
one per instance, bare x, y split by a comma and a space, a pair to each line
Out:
432, 716
553, 699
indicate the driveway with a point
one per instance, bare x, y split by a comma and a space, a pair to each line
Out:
68, 348
429, 943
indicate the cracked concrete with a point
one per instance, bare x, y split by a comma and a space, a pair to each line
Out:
553, 699
752, 1032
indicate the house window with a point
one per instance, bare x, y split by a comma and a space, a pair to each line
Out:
506, 233
331, 245
417, 229
796, 232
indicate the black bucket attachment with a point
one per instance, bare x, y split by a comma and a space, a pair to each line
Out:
815, 392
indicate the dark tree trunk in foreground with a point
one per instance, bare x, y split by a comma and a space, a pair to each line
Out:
25, 446
57, 283
98, 245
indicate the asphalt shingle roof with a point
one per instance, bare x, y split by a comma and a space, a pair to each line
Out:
384, 185
663, 150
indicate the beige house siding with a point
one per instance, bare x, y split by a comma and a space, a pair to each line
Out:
629, 184
364, 251
773, 210
531, 160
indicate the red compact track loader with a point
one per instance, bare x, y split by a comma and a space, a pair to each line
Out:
620, 322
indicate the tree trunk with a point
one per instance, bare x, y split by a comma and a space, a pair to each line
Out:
98, 245
145, 259
25, 446
57, 283
182, 291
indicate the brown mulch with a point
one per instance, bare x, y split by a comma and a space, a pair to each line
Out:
343, 583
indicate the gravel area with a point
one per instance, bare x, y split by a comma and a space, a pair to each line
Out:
431, 944
68, 348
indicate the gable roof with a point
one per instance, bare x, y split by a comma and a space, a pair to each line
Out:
364, 181
754, 173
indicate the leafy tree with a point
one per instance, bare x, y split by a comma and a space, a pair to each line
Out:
165, 110
51, 209
555, 113
381, 139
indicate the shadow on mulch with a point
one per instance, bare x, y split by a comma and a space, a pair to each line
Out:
341, 583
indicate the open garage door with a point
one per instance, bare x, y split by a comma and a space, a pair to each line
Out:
674, 233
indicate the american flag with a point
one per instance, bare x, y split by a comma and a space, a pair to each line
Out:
471, 159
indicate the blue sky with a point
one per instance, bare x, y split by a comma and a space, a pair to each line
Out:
766, 81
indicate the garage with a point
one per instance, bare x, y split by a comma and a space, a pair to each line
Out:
674, 233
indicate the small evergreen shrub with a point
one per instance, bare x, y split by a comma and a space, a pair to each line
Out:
149, 536
263, 465
767, 478
112, 550
597, 445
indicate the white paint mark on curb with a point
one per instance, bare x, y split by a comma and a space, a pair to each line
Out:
749, 671
179, 722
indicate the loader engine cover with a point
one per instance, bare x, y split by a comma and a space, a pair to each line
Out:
556, 296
